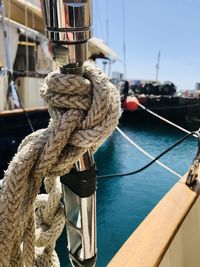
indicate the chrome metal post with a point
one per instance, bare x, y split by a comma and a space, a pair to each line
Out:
68, 27
79, 189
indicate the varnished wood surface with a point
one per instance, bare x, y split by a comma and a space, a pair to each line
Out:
148, 244
18, 111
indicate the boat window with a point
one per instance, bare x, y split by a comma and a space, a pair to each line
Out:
25, 60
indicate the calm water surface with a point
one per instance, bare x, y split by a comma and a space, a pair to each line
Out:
122, 203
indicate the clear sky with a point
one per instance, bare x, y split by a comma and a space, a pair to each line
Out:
171, 26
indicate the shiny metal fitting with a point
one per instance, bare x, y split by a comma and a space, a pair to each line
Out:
68, 27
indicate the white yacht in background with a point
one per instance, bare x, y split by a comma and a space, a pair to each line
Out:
29, 61
30, 52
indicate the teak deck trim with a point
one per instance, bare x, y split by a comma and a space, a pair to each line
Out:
150, 241
14, 112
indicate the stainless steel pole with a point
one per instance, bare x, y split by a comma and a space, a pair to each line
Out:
68, 27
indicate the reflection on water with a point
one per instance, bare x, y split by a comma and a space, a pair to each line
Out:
122, 203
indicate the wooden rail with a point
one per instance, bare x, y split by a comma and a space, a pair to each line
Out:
149, 243
19, 111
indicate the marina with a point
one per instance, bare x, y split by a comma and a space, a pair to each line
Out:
124, 202
96, 170
135, 195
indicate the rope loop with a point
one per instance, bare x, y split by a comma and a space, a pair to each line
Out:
92, 99
84, 111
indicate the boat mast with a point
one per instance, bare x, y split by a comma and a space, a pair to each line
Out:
107, 23
79, 186
107, 36
158, 65
124, 36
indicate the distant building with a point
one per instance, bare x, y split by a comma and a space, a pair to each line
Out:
197, 86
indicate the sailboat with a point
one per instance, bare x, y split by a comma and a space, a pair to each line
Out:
30, 54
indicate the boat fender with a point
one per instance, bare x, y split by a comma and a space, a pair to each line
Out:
130, 103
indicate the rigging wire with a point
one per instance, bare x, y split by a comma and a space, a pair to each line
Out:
107, 22
146, 153
27, 65
151, 162
9, 14
26, 37
26, 113
166, 120
158, 65
11, 71
34, 37
124, 37
99, 21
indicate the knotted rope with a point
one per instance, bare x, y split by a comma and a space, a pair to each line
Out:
84, 111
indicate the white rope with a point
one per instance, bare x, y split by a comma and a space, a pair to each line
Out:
84, 112
164, 119
146, 153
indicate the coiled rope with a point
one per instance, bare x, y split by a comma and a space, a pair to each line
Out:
84, 111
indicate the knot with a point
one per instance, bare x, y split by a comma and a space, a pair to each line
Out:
94, 98
67, 91
84, 111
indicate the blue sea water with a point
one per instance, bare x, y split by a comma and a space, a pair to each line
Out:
122, 203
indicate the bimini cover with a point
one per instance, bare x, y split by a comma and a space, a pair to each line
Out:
99, 49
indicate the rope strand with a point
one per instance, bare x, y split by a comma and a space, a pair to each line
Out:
84, 111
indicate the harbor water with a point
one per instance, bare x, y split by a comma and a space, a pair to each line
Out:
122, 203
